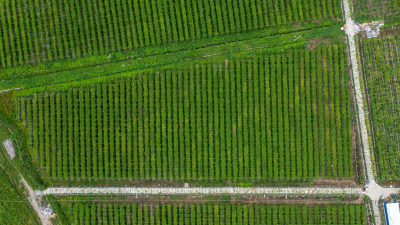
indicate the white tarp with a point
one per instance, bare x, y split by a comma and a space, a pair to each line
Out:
9, 147
393, 213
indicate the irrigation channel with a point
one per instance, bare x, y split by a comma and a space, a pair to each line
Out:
373, 191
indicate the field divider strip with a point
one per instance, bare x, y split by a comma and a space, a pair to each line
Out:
200, 191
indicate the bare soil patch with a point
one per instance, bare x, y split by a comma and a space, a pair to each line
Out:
255, 199
335, 182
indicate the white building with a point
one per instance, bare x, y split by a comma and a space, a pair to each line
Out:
392, 213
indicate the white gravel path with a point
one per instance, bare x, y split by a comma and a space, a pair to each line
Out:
374, 191
201, 191
351, 32
372, 188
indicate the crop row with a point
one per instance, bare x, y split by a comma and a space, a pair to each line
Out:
367, 9
217, 214
280, 116
381, 66
37, 31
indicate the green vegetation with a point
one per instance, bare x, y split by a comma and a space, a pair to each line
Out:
256, 118
9, 129
381, 66
39, 31
212, 213
7, 104
80, 72
14, 208
366, 10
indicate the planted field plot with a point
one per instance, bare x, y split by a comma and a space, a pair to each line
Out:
33, 32
375, 9
381, 67
275, 117
220, 213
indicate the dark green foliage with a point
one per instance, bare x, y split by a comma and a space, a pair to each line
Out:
34, 32
270, 117
215, 214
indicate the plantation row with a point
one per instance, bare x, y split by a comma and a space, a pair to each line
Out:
370, 9
280, 116
215, 214
381, 66
37, 31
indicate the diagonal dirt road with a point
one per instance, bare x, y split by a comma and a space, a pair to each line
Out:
34, 203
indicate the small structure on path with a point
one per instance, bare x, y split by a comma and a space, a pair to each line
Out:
372, 29
47, 210
9, 147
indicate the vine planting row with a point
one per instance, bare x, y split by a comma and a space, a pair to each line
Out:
37, 31
281, 116
195, 214
366, 10
381, 67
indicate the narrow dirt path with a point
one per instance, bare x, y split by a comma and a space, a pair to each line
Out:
34, 203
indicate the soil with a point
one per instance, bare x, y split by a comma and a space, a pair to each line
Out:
313, 44
390, 31
125, 182
394, 183
183, 200
358, 167
335, 182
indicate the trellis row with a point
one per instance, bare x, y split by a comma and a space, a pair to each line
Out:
280, 116
37, 31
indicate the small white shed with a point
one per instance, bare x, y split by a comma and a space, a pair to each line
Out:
392, 212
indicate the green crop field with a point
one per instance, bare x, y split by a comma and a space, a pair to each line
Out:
195, 93
366, 10
213, 214
273, 117
381, 66
38, 31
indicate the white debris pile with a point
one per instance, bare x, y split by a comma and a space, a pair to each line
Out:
9, 147
372, 29
47, 210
